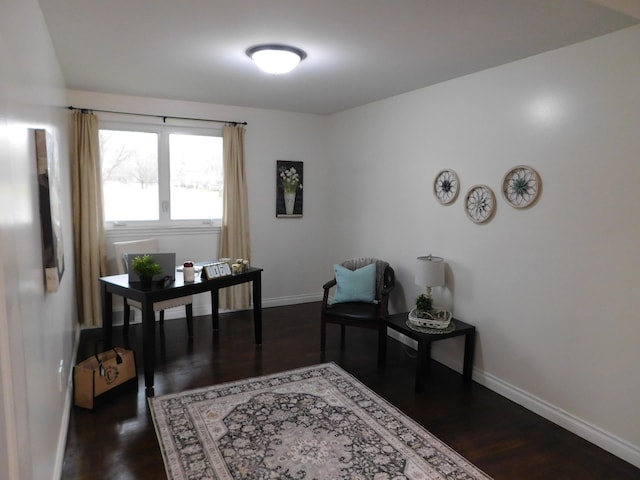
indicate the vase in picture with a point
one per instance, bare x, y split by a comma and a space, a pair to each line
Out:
289, 202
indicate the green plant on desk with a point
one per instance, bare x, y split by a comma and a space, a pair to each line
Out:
146, 267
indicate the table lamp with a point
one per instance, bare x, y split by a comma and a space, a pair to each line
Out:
429, 273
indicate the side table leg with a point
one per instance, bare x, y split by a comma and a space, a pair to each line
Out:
469, 350
422, 364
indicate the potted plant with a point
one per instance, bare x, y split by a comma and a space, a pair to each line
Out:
426, 315
146, 267
424, 306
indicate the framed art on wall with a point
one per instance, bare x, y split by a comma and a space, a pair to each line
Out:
289, 188
50, 209
480, 204
446, 186
521, 186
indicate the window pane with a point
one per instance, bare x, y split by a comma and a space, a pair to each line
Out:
196, 177
129, 164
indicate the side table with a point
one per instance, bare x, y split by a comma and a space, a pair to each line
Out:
398, 322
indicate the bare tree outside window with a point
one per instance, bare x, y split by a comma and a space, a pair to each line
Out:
134, 185
129, 165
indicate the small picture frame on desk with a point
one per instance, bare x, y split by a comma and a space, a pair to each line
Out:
210, 271
225, 269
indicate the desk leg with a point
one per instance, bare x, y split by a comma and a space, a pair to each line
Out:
422, 364
257, 308
382, 344
469, 350
148, 344
215, 304
189, 312
107, 315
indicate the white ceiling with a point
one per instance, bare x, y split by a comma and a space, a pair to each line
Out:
358, 51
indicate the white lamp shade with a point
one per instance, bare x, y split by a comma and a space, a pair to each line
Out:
429, 271
276, 59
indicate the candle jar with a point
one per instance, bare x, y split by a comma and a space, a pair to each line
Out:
188, 272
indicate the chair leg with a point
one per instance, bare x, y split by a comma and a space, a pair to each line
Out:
343, 329
161, 317
189, 309
323, 334
127, 314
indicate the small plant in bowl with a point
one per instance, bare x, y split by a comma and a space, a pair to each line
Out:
426, 315
146, 267
424, 306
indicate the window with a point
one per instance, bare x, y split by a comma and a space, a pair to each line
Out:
160, 174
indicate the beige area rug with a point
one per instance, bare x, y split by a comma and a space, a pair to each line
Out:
317, 422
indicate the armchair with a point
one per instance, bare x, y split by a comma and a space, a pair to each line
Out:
356, 311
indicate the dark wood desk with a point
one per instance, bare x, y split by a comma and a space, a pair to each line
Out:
398, 322
119, 285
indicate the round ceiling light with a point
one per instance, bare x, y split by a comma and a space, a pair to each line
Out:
276, 59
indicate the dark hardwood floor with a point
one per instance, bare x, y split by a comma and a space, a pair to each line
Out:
118, 441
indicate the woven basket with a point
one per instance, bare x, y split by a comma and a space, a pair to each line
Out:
438, 318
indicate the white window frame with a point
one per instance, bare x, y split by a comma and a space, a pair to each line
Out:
164, 187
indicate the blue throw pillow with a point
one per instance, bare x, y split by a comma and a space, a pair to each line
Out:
355, 285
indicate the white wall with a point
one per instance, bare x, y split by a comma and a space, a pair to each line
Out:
36, 328
293, 251
551, 289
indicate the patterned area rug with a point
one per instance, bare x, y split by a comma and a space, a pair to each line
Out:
312, 423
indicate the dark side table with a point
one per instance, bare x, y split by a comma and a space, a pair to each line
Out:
398, 322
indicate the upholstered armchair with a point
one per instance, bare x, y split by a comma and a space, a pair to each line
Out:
149, 245
361, 298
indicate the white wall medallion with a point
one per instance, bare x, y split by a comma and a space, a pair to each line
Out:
521, 186
446, 186
480, 203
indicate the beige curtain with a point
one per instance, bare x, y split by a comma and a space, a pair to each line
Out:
234, 237
88, 227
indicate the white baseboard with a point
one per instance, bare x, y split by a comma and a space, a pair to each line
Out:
292, 300
66, 412
605, 440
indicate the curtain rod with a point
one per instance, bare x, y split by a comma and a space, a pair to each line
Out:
163, 117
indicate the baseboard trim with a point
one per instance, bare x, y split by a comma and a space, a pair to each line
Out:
592, 433
64, 422
292, 300
603, 439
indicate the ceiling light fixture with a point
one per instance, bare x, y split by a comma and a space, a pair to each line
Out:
276, 59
